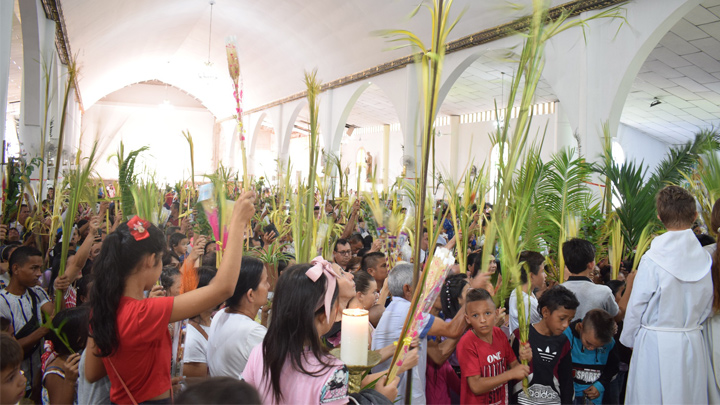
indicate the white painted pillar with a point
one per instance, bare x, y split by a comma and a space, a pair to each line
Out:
593, 74
454, 147
386, 157
6, 19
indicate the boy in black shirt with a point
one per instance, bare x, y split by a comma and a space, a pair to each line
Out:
550, 380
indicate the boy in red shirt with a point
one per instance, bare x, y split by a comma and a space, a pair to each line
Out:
487, 362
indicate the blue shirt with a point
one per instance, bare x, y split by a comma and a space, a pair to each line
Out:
388, 331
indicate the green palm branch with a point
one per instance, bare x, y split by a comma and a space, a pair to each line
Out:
78, 180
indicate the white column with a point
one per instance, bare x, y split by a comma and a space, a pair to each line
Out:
454, 146
6, 18
386, 157
592, 74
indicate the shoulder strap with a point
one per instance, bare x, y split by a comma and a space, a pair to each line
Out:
199, 329
127, 391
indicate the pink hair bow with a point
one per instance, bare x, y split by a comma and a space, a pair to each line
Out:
319, 267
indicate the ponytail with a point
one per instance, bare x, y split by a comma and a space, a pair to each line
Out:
119, 256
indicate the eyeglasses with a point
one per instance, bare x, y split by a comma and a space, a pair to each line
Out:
344, 252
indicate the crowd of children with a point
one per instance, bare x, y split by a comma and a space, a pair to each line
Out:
156, 323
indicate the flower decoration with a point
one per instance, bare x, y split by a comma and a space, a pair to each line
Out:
139, 228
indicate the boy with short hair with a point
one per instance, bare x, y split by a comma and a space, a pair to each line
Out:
579, 255
23, 302
595, 358
550, 379
487, 362
671, 298
12, 383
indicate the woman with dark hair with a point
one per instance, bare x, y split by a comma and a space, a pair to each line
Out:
292, 365
196, 336
233, 332
61, 373
129, 340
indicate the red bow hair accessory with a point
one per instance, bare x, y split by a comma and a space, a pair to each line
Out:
139, 228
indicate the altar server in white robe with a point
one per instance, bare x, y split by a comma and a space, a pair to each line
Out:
671, 298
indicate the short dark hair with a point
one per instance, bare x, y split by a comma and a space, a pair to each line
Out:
168, 256
372, 259
166, 277
11, 353
535, 262
176, 238
602, 323
356, 237
478, 294
209, 259
171, 230
362, 281
219, 391
578, 253
556, 297
615, 285
340, 241
703, 238
21, 255
675, 207
75, 323
205, 275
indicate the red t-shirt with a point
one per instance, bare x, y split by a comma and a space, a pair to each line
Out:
478, 357
144, 352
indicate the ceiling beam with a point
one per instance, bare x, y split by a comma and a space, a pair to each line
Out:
53, 11
576, 7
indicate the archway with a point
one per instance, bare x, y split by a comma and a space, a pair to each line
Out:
673, 86
152, 114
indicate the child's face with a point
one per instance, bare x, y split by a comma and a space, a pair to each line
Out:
589, 340
12, 385
29, 273
481, 316
558, 320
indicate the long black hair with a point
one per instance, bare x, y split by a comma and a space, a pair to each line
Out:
293, 326
249, 279
119, 255
451, 293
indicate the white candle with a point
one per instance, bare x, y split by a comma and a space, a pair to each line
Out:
354, 337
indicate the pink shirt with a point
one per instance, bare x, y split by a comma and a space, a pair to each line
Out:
329, 387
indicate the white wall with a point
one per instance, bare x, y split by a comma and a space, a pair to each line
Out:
140, 125
641, 147
373, 143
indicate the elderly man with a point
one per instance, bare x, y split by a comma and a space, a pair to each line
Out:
342, 253
391, 324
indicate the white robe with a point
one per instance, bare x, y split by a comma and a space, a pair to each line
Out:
671, 298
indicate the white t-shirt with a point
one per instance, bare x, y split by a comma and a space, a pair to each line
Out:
512, 308
195, 345
232, 338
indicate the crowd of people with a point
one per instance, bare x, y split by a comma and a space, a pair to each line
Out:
148, 317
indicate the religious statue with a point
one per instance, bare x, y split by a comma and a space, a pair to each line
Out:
369, 164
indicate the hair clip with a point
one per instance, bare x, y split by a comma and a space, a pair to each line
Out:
138, 228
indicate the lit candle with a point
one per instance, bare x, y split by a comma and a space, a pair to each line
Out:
354, 337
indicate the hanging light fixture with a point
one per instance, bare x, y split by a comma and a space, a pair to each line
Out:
166, 105
207, 72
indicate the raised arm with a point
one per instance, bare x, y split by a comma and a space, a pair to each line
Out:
76, 262
223, 285
453, 329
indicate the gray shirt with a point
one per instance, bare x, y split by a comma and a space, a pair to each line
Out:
91, 393
591, 296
